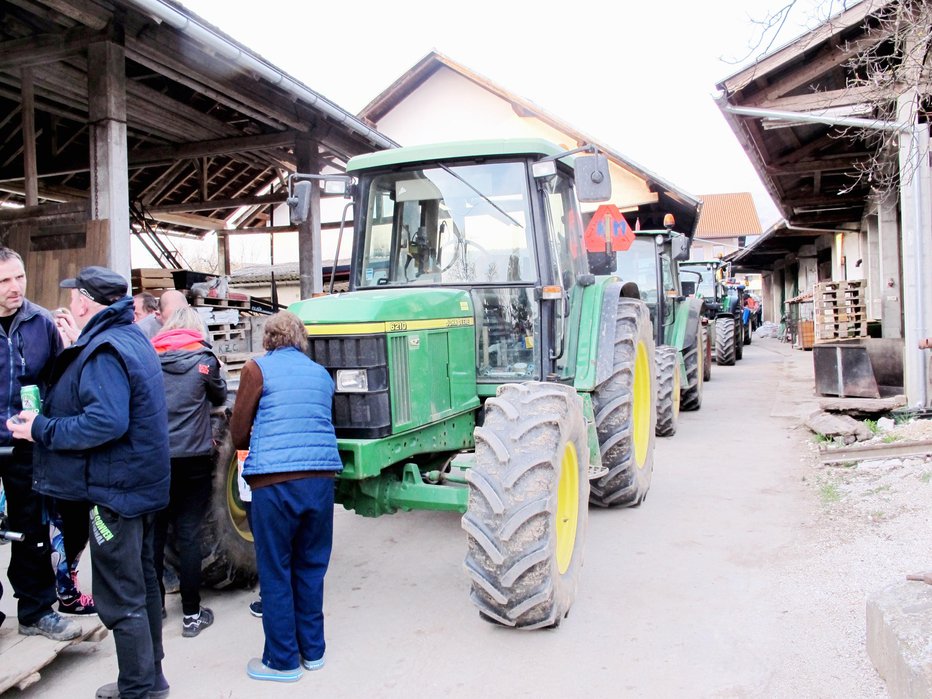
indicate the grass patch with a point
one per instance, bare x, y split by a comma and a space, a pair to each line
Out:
872, 426
926, 476
829, 493
820, 438
888, 438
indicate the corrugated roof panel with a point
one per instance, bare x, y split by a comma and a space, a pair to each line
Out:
728, 216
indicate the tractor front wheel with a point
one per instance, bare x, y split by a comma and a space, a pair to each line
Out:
668, 391
725, 341
625, 407
526, 516
694, 359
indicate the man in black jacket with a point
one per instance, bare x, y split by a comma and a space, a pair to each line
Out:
32, 342
102, 437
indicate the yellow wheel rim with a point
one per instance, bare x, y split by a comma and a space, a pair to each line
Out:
641, 399
567, 507
234, 504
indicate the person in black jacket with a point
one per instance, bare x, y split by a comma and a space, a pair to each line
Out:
193, 383
102, 436
30, 344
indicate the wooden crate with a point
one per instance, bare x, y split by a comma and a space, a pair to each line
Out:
806, 334
154, 280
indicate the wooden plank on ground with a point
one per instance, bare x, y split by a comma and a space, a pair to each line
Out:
22, 657
889, 450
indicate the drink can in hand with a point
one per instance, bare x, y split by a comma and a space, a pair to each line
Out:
32, 401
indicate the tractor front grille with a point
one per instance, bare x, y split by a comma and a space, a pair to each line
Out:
357, 415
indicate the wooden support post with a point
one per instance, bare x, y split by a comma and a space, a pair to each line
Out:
30, 169
310, 268
106, 88
223, 252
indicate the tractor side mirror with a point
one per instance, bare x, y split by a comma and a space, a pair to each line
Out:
679, 247
593, 179
299, 203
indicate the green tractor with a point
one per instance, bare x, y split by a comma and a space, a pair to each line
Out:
650, 263
480, 367
722, 297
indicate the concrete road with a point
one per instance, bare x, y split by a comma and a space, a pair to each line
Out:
700, 592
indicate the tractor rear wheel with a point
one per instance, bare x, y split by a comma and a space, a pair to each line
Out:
725, 341
625, 409
526, 517
694, 359
229, 558
668, 391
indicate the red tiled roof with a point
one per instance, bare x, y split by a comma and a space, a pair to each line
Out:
727, 216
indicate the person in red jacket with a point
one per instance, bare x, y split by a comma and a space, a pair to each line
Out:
193, 384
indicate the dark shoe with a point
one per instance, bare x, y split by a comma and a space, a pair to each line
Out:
255, 608
164, 613
312, 664
111, 691
193, 625
80, 604
258, 670
53, 626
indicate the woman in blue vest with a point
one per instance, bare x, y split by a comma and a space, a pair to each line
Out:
283, 415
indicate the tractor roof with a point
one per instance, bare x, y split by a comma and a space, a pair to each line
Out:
454, 150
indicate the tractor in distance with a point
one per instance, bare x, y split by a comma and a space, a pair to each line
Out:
649, 260
721, 296
480, 367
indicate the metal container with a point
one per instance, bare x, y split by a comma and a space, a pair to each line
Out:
31, 399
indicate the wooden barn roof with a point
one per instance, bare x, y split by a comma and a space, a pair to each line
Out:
211, 126
810, 169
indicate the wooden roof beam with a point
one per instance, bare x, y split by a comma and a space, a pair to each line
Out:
220, 146
45, 48
260, 200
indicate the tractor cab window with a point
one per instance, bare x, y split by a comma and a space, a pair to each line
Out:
637, 264
457, 225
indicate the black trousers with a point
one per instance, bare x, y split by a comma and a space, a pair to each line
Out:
126, 593
30, 572
190, 496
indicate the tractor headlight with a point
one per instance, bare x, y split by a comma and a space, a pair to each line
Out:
352, 381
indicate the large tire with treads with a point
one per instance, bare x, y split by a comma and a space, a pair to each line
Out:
625, 407
526, 517
707, 349
668, 391
694, 359
725, 341
229, 558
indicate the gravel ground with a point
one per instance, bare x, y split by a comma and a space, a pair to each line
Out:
867, 533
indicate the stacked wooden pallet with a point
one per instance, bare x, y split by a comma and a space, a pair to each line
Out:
228, 323
154, 280
840, 311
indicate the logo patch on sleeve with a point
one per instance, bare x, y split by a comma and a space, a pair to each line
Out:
203, 368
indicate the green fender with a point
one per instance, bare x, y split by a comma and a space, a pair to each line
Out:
595, 352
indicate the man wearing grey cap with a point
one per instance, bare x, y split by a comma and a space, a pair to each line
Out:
102, 437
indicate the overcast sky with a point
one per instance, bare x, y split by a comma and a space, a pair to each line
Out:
637, 76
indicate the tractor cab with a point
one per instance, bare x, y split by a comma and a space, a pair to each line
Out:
502, 225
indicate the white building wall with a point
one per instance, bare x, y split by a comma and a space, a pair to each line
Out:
450, 107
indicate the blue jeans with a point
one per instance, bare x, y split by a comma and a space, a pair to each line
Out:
294, 535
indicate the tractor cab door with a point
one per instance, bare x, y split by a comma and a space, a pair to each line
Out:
564, 262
